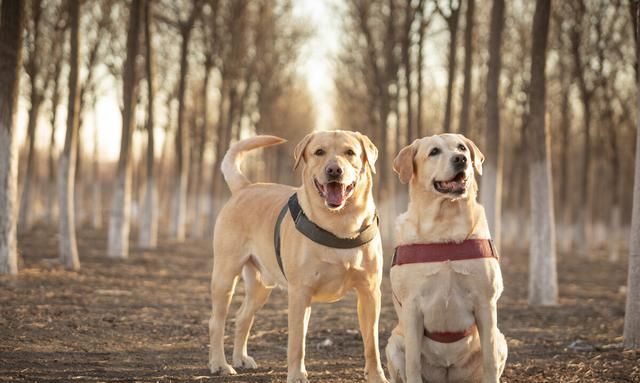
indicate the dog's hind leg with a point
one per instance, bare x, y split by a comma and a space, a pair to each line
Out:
256, 294
226, 268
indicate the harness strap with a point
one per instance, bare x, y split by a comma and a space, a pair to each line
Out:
444, 252
449, 337
276, 237
317, 234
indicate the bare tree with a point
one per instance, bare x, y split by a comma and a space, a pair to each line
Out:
11, 26
468, 60
632, 313
452, 18
57, 59
491, 193
67, 171
543, 280
149, 224
425, 20
586, 90
35, 70
182, 145
119, 225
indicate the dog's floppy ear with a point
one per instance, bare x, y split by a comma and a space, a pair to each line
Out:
403, 163
370, 150
477, 158
298, 152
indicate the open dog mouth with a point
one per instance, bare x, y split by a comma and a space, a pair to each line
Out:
334, 193
457, 185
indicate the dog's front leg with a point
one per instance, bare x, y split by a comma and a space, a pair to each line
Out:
414, 332
299, 312
487, 319
368, 316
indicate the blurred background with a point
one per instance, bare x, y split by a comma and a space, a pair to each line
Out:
394, 70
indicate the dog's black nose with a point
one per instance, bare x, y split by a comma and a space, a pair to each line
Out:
459, 161
333, 171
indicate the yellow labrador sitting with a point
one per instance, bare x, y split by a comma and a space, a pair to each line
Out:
336, 200
446, 279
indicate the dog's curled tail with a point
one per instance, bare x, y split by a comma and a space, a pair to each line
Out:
233, 158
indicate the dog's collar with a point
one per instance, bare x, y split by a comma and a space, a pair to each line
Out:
442, 252
317, 234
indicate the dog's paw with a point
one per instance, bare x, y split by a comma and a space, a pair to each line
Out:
298, 377
245, 362
221, 368
377, 377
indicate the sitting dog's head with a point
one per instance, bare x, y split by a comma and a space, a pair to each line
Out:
337, 164
442, 164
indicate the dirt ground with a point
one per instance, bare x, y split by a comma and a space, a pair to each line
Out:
145, 319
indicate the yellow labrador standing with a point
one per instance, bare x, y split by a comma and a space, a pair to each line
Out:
336, 201
446, 278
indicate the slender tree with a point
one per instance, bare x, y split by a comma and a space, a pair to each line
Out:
452, 19
468, 61
118, 245
491, 193
11, 26
56, 94
179, 214
149, 226
632, 313
96, 194
543, 280
67, 172
34, 68
579, 36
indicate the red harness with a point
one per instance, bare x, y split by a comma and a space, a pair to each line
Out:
445, 252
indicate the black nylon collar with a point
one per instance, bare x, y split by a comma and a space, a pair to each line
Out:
317, 234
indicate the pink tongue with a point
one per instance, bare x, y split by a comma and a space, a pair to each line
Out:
334, 193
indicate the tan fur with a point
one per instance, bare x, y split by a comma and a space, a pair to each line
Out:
444, 296
243, 243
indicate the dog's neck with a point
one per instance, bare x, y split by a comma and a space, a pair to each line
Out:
358, 212
435, 219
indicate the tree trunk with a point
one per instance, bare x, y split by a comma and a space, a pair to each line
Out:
197, 224
24, 220
67, 161
421, 131
149, 226
216, 176
491, 193
583, 213
33, 69
55, 99
178, 223
96, 195
452, 22
406, 62
11, 26
632, 313
468, 60
119, 223
565, 204
543, 280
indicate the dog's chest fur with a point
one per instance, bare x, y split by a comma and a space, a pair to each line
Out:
335, 271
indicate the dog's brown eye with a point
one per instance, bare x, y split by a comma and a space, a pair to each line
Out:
462, 147
434, 152
350, 153
319, 152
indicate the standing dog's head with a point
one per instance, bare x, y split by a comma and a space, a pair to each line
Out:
443, 164
336, 165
